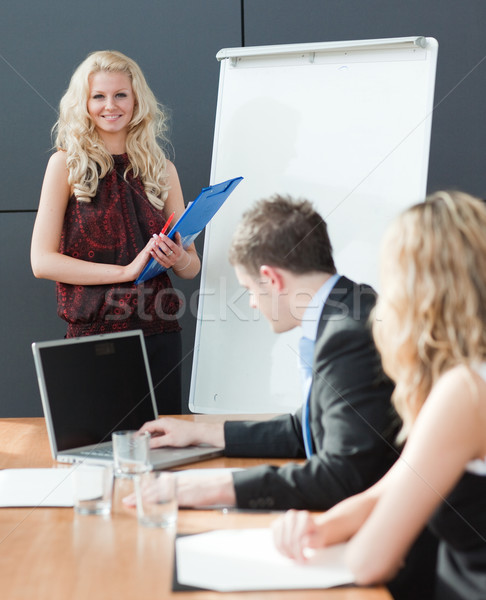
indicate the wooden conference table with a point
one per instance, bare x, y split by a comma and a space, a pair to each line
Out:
55, 554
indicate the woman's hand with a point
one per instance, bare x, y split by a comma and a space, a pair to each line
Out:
133, 269
168, 253
295, 531
298, 529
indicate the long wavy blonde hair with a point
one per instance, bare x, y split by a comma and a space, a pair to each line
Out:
431, 314
87, 157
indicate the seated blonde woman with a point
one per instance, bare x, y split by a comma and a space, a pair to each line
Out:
430, 327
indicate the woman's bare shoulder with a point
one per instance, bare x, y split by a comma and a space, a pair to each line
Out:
58, 162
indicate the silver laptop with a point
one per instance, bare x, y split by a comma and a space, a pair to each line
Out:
95, 385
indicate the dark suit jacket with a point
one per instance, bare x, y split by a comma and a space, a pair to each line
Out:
353, 424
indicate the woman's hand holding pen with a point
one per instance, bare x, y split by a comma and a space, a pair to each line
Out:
168, 252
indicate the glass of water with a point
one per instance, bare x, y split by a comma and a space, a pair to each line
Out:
156, 497
131, 453
92, 489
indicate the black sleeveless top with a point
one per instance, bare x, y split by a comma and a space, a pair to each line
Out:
460, 525
113, 228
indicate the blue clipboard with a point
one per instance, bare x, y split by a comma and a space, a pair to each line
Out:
194, 219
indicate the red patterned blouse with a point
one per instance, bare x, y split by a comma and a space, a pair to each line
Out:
113, 228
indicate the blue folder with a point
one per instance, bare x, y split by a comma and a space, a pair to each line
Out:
194, 219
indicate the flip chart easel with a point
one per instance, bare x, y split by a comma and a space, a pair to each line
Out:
346, 125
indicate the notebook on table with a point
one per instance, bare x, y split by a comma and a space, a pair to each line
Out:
92, 386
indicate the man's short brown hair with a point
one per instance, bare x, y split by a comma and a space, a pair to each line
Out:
282, 232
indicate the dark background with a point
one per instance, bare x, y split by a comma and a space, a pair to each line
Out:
175, 43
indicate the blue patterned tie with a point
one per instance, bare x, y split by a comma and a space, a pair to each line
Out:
306, 357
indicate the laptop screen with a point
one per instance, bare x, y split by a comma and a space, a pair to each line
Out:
93, 386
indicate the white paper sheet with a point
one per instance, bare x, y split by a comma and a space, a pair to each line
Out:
36, 487
246, 559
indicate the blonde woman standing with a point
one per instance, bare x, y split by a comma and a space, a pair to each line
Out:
430, 327
107, 192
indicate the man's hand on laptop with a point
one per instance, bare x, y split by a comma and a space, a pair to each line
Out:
179, 433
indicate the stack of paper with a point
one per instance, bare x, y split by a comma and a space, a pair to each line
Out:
36, 487
246, 559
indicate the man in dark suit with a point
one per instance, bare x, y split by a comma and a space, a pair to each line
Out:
346, 428
282, 254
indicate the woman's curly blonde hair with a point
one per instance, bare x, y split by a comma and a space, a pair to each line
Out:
87, 158
431, 314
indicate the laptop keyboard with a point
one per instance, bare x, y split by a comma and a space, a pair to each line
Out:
98, 452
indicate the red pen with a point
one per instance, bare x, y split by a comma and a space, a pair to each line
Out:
167, 223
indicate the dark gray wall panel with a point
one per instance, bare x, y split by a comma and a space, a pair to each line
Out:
175, 43
458, 144
41, 43
28, 315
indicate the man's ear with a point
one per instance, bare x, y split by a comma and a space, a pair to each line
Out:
274, 275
